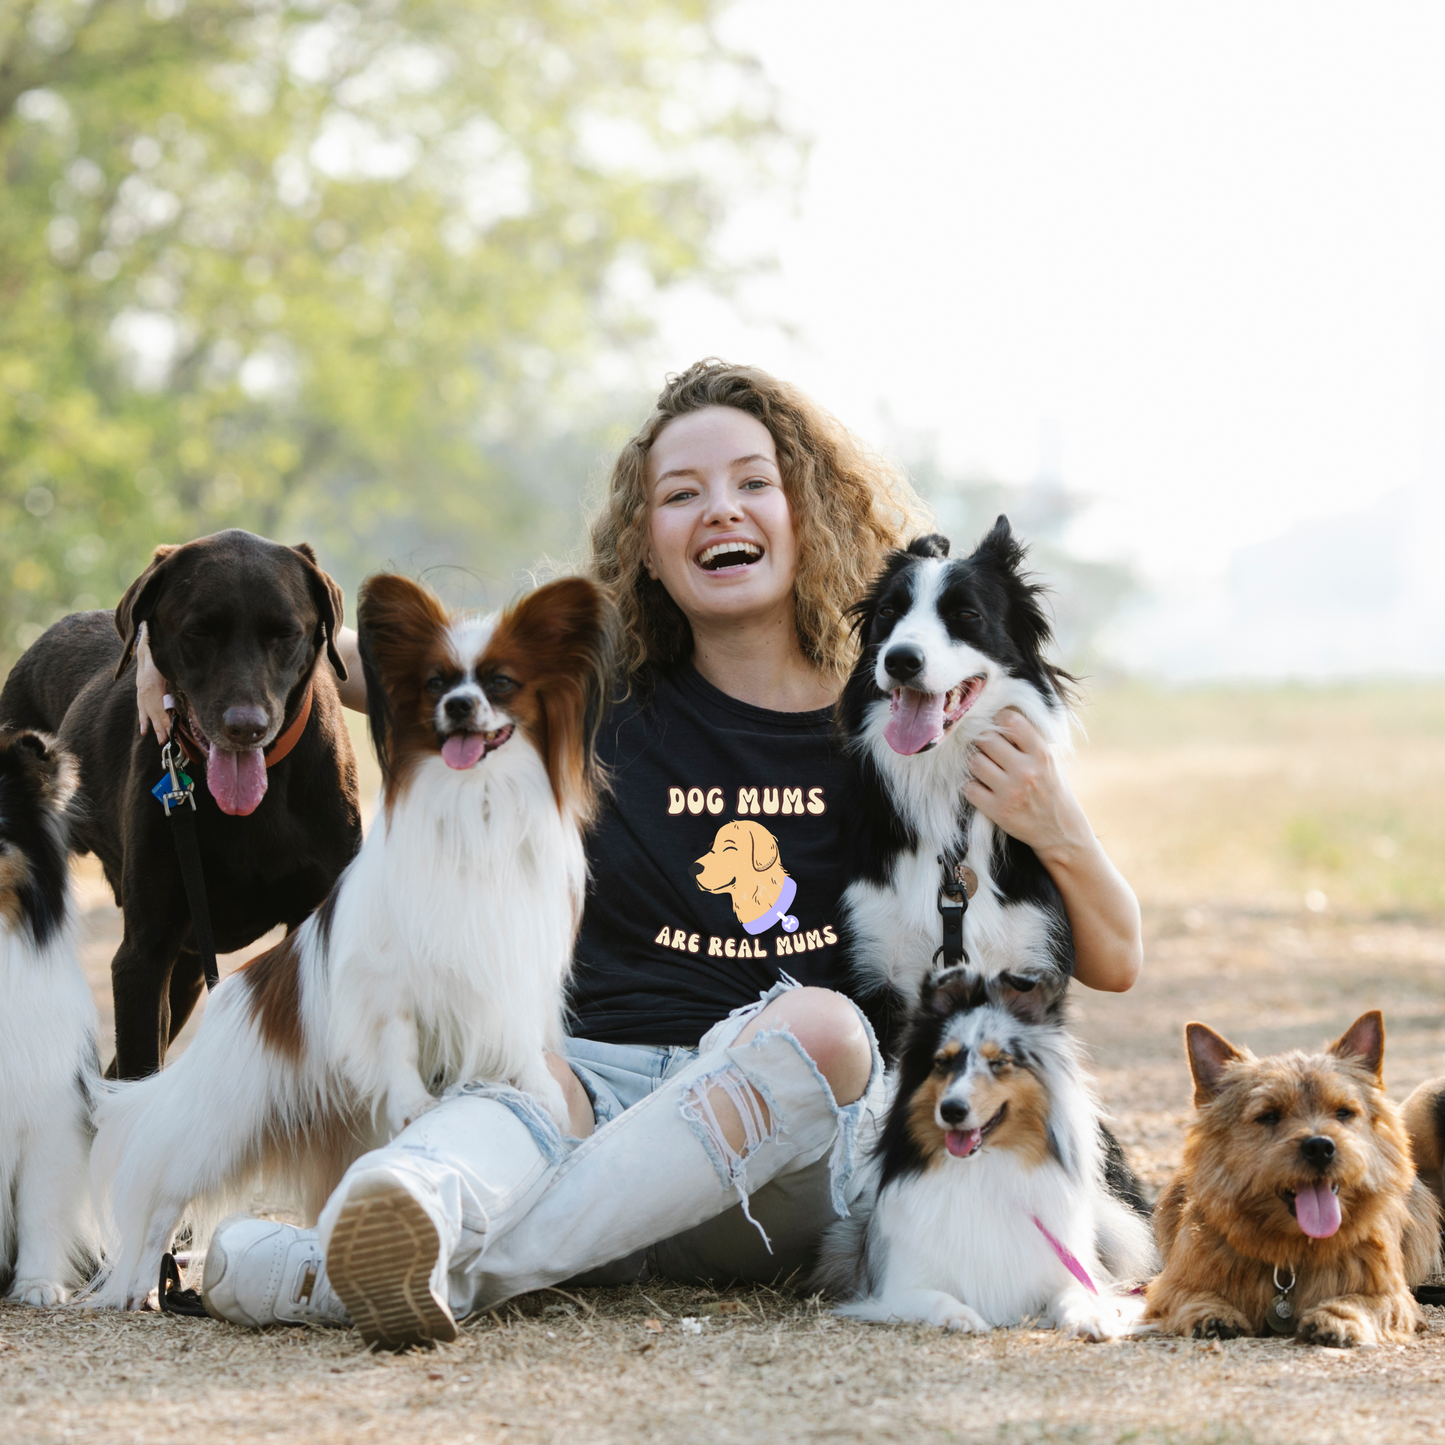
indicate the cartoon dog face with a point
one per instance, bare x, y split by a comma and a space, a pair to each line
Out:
744, 862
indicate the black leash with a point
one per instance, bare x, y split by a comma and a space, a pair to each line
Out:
958, 885
173, 1299
177, 795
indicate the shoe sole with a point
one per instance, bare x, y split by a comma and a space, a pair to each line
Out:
379, 1262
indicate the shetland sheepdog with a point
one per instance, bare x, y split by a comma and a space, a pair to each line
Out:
49, 1069
987, 1203
441, 954
947, 644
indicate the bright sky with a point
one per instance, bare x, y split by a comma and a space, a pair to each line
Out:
1202, 244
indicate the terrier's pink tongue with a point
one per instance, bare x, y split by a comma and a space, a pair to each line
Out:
1317, 1210
237, 780
461, 750
962, 1142
916, 720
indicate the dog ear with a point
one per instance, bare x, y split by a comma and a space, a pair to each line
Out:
1363, 1043
952, 990
1209, 1053
1002, 543
761, 865
327, 598
1034, 998
53, 767
933, 545
139, 603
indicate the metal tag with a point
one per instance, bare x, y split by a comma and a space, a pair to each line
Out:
1280, 1315
174, 787
966, 876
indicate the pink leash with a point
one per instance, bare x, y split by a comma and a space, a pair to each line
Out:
1066, 1258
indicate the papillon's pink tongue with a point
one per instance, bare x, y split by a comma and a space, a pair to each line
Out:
1317, 1209
962, 1142
461, 750
916, 720
237, 780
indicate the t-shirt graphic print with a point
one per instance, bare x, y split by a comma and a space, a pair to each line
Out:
716, 865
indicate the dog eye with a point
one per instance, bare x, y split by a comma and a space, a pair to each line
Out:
501, 685
1269, 1118
999, 1065
888, 612
1344, 1115
965, 614
436, 684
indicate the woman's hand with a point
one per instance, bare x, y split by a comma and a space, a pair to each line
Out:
1017, 786
150, 690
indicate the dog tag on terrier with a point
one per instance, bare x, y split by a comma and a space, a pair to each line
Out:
1280, 1315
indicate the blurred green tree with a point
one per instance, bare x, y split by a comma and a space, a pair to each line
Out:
316, 264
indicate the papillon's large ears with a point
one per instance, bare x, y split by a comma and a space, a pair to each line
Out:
140, 602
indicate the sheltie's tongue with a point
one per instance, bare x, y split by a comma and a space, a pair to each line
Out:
915, 720
461, 750
237, 780
962, 1142
1317, 1210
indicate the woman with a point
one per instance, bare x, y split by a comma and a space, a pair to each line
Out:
717, 1106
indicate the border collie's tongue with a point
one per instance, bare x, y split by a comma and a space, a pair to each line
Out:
1317, 1210
962, 1142
461, 750
916, 719
237, 780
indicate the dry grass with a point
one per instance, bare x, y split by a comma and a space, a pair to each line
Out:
1195, 795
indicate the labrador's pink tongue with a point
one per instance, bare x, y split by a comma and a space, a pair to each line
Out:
462, 750
915, 721
962, 1142
237, 780
1317, 1209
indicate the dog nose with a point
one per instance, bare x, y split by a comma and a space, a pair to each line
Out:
697, 869
458, 708
952, 1112
904, 662
245, 726
1318, 1150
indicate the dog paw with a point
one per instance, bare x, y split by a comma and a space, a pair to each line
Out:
407, 1112
1334, 1330
1221, 1327
41, 1294
961, 1320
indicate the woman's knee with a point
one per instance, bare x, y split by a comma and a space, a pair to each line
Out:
831, 1033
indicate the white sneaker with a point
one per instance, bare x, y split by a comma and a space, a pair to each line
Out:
383, 1252
260, 1272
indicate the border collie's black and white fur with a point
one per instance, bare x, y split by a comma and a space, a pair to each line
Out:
992, 1139
49, 1069
947, 644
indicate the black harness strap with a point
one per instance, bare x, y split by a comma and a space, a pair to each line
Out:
180, 805
952, 905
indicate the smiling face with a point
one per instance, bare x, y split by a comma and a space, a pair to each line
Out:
720, 534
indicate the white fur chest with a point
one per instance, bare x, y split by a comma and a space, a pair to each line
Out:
967, 1227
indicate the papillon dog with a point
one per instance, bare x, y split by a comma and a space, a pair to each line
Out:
947, 644
986, 1201
441, 954
49, 1068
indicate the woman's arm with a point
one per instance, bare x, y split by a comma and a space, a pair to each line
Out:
1018, 787
150, 686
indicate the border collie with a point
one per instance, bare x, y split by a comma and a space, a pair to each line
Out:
987, 1203
49, 1068
441, 954
947, 644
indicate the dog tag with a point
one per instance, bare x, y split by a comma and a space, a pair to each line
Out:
167, 795
1280, 1315
966, 876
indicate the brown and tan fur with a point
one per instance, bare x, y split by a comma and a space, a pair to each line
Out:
743, 862
1224, 1223
1424, 1113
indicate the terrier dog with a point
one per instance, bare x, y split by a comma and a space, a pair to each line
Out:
1297, 1209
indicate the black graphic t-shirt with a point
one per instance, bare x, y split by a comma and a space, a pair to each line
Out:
717, 864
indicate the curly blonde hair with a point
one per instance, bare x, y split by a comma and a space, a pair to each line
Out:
849, 507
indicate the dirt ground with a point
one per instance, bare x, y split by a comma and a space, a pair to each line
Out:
1236, 936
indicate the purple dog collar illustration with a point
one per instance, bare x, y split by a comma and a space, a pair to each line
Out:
777, 913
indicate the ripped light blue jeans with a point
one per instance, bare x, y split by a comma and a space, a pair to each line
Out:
657, 1191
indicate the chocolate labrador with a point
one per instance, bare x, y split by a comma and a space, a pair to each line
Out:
242, 629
